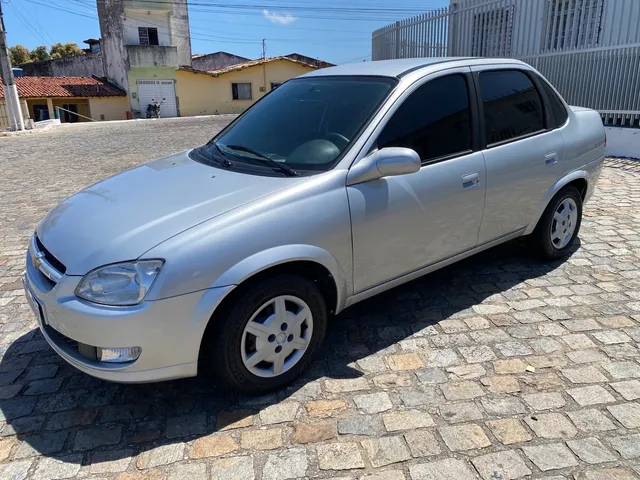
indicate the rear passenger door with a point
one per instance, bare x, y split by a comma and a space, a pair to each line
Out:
521, 147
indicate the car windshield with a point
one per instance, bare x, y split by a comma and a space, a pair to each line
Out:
304, 125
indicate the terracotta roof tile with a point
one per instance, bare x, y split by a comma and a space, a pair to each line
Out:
38, 87
242, 66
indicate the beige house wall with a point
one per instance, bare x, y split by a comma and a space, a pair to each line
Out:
202, 94
113, 108
4, 117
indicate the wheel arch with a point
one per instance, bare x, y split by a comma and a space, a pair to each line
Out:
578, 178
317, 264
306, 260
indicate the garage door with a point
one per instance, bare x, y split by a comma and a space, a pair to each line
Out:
163, 91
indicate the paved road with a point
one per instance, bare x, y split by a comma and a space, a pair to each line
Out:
499, 367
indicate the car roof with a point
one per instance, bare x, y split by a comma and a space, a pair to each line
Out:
399, 68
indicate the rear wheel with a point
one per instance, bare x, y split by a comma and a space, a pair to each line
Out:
270, 334
559, 225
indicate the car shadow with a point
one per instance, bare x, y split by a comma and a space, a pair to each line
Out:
57, 411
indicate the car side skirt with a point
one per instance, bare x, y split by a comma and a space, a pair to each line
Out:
358, 297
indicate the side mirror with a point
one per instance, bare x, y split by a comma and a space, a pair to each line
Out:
387, 162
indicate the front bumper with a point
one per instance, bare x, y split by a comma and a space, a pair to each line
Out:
168, 331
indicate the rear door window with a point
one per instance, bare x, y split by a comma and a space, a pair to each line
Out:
512, 105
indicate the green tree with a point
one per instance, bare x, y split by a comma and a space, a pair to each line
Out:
19, 54
59, 50
39, 53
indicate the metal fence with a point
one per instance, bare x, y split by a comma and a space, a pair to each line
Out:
588, 49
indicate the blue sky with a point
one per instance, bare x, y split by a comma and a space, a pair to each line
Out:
337, 31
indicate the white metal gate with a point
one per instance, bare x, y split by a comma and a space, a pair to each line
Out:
162, 91
588, 49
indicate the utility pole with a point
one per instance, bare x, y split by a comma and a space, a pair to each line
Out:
12, 101
264, 65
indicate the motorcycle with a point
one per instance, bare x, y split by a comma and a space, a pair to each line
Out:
153, 110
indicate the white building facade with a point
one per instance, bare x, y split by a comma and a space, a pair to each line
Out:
144, 42
589, 49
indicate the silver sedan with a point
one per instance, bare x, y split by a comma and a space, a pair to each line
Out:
340, 184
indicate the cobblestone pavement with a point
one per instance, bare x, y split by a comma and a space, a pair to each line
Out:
500, 367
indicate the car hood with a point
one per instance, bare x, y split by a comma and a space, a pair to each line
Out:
124, 216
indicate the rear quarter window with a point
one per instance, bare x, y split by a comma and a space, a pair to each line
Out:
558, 110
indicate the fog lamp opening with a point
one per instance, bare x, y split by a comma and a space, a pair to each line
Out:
118, 355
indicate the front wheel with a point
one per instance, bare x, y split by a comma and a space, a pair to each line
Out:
559, 225
270, 335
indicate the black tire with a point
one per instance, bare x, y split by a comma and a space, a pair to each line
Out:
541, 237
224, 341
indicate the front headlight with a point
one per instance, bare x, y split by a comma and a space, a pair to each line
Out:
119, 284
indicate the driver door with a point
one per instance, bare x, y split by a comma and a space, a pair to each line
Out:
404, 223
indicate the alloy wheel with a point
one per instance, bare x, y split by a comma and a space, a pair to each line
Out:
276, 336
564, 222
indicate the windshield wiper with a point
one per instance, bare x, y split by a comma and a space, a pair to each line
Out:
224, 161
288, 171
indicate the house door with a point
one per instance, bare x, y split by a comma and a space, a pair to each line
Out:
161, 91
67, 115
40, 112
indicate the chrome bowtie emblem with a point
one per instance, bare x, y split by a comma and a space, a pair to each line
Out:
36, 258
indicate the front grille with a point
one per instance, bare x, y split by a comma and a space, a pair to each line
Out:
48, 256
87, 351
60, 338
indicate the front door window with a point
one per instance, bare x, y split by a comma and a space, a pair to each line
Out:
435, 120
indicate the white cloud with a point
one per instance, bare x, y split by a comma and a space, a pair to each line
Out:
279, 18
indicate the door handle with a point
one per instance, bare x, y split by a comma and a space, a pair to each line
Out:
550, 159
470, 180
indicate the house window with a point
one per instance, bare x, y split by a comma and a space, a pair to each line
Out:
573, 23
241, 91
275, 85
148, 36
492, 33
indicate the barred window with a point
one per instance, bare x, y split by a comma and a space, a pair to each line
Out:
573, 23
492, 33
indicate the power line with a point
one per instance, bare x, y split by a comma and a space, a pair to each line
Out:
41, 33
356, 59
214, 38
37, 35
303, 11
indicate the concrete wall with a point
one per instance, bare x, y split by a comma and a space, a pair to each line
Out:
214, 61
116, 60
76, 66
113, 108
202, 94
152, 56
135, 74
4, 117
180, 33
145, 18
623, 142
